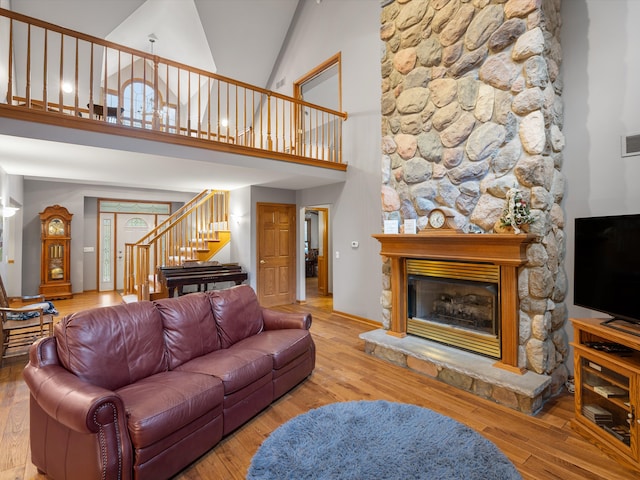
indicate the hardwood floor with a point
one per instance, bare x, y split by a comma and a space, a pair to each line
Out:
541, 447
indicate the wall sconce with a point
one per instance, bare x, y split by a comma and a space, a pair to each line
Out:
236, 217
8, 211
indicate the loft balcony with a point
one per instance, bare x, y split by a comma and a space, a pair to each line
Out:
60, 77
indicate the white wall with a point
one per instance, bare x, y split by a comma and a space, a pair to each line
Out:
11, 234
240, 228
601, 72
40, 194
320, 31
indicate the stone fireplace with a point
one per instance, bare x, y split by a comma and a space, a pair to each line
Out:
486, 259
471, 108
483, 359
487, 264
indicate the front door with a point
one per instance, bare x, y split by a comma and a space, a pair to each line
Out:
116, 229
130, 228
276, 239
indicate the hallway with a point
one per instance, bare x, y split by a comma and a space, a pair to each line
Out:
314, 299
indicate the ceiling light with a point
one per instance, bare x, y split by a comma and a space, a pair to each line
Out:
152, 39
224, 122
67, 87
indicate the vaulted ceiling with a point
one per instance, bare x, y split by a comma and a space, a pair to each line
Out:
242, 38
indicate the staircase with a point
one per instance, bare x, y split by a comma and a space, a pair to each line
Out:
196, 232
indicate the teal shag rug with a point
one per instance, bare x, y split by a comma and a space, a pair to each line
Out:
375, 440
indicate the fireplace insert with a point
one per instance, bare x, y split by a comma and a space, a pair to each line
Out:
455, 304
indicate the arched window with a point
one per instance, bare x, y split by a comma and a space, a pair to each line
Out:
141, 97
136, 222
138, 101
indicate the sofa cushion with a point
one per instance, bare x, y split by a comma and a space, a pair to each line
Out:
283, 346
162, 404
189, 328
112, 346
237, 313
236, 367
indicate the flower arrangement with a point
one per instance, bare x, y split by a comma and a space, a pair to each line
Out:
516, 213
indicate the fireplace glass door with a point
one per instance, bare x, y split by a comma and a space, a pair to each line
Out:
455, 304
458, 303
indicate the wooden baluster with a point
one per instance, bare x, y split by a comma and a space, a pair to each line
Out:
209, 108
103, 94
218, 111
119, 90
28, 71
199, 109
10, 65
156, 106
76, 80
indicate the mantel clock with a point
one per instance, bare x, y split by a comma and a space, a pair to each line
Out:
55, 258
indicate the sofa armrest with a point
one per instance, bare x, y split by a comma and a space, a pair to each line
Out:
274, 320
66, 398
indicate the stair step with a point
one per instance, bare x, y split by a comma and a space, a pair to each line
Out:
202, 245
208, 235
179, 259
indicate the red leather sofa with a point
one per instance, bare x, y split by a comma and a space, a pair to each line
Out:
139, 391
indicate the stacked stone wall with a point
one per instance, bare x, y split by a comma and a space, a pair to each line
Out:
471, 107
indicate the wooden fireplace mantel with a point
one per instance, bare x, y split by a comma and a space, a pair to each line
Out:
508, 251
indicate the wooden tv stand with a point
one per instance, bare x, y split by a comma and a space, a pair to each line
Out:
607, 380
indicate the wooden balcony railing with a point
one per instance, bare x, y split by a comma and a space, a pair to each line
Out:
81, 81
192, 233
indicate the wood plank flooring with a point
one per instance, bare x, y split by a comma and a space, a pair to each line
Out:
541, 447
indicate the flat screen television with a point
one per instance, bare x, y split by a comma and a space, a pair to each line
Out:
607, 268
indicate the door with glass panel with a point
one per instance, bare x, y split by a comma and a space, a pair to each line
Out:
122, 222
118, 229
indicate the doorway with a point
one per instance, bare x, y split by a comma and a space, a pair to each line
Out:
320, 86
316, 248
120, 222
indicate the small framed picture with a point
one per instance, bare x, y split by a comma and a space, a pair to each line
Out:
410, 225
390, 226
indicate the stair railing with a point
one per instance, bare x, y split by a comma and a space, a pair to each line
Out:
177, 240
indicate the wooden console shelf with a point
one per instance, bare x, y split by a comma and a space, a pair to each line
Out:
607, 397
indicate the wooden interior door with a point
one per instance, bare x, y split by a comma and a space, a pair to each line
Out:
323, 251
276, 239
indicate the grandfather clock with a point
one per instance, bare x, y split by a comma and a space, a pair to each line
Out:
55, 259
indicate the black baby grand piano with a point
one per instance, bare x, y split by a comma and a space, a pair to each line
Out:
201, 274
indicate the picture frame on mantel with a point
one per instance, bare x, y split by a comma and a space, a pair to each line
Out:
410, 226
391, 226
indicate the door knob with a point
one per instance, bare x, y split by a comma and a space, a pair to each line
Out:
262, 261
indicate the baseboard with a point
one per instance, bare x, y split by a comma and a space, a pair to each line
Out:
355, 318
